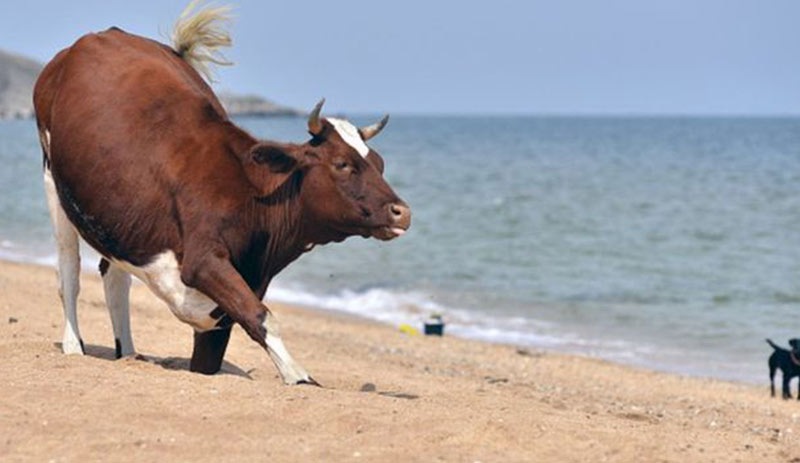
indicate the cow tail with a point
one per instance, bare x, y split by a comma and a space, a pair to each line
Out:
198, 36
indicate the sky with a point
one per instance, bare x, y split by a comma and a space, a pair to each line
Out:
566, 57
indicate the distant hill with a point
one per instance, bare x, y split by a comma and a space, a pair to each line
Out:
253, 105
17, 76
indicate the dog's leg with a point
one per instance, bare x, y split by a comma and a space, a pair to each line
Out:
772, 369
798, 388
787, 394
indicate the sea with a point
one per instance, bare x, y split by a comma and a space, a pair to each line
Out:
670, 243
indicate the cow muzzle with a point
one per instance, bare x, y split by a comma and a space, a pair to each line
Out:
399, 222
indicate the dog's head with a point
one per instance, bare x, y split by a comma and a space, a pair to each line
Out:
795, 343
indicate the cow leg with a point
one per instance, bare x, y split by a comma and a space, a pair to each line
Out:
117, 286
69, 266
209, 350
291, 372
213, 274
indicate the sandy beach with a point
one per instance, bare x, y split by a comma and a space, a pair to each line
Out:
387, 396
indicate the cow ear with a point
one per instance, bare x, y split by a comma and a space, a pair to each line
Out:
276, 158
269, 166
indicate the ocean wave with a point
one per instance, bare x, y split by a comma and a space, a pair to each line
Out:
396, 307
44, 254
376, 303
12, 253
786, 298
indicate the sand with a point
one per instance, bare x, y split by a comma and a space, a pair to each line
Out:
387, 396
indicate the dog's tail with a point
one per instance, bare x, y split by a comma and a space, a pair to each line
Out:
774, 346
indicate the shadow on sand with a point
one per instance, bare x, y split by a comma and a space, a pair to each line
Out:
167, 363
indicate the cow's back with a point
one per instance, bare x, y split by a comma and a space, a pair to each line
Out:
129, 124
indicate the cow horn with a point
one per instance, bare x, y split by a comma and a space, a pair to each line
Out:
374, 129
314, 123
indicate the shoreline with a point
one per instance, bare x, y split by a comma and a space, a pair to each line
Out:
502, 333
386, 396
316, 304
544, 350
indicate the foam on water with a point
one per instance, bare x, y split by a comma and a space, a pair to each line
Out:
413, 308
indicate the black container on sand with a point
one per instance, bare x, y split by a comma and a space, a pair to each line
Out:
434, 326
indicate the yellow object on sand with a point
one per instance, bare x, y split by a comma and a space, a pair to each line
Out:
408, 329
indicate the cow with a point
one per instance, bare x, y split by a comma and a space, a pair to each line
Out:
142, 162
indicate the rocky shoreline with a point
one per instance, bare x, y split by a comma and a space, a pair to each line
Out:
255, 106
18, 75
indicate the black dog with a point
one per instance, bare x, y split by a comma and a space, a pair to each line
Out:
789, 363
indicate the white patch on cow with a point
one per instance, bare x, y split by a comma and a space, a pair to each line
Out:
350, 135
163, 277
69, 263
117, 285
44, 139
291, 372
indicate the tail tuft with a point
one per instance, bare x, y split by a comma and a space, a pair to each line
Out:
198, 36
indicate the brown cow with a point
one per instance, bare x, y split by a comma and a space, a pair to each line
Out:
142, 161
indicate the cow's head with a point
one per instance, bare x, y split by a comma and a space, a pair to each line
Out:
341, 185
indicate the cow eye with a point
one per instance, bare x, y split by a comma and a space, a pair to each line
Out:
341, 165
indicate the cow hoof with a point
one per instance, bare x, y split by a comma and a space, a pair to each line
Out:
309, 381
122, 351
72, 347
